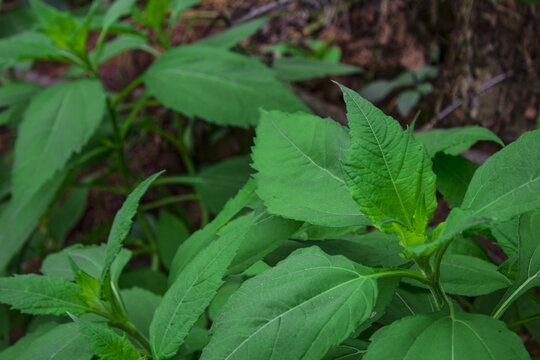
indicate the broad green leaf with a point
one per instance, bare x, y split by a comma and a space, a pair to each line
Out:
469, 276
408, 301
122, 44
461, 337
171, 233
62, 342
223, 87
350, 349
41, 295
228, 38
507, 236
407, 100
59, 122
106, 343
90, 259
372, 249
221, 182
507, 184
223, 294
20, 217
300, 68
17, 92
177, 6
529, 261
300, 309
122, 223
300, 176
140, 305
454, 173
314, 232
390, 175
27, 45
66, 216
198, 240
454, 141
193, 290
463, 245
267, 233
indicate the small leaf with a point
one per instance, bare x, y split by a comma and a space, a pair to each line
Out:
62, 342
122, 224
106, 343
171, 233
140, 305
177, 6
300, 175
301, 68
27, 45
376, 90
460, 337
118, 9
228, 38
407, 100
41, 295
326, 297
225, 88
390, 174
192, 291
454, 141
59, 122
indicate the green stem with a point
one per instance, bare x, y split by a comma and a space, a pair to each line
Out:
169, 200
120, 146
131, 117
126, 91
131, 330
185, 180
521, 322
412, 274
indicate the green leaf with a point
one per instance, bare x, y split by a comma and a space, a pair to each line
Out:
221, 182
390, 174
300, 175
140, 305
59, 122
507, 236
407, 301
306, 305
90, 259
507, 184
154, 281
223, 294
454, 141
454, 173
62, 342
350, 349
171, 233
122, 224
66, 216
300, 68
529, 261
118, 9
177, 6
41, 295
17, 92
20, 217
28, 45
435, 335
232, 36
122, 44
106, 343
377, 90
198, 240
193, 290
407, 100
223, 87
267, 233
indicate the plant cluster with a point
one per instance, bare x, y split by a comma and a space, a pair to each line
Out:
329, 239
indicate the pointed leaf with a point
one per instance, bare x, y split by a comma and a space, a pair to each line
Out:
140, 305
193, 290
389, 173
215, 79
454, 173
118, 9
306, 305
454, 141
460, 337
122, 223
300, 175
106, 343
58, 122
41, 295
170, 233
